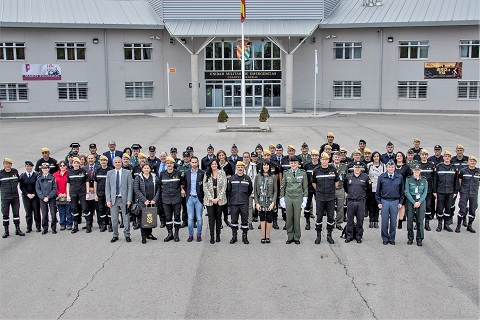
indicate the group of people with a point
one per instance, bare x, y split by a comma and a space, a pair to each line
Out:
117, 186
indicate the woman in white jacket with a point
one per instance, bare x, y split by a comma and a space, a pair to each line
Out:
375, 169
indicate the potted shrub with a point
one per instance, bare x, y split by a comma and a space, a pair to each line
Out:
264, 115
222, 120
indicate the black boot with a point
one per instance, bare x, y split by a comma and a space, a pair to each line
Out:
89, 226
175, 235
469, 226
459, 225
329, 237
370, 225
19, 232
400, 222
234, 236
217, 238
169, 235
439, 227
319, 237
75, 227
275, 224
162, 222
250, 226
307, 226
447, 227
212, 237
103, 227
244, 236
7, 233
427, 225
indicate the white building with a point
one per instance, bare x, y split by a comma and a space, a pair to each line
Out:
111, 55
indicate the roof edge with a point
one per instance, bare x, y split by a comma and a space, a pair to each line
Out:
400, 24
78, 26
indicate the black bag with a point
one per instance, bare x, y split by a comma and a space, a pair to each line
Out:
135, 209
149, 217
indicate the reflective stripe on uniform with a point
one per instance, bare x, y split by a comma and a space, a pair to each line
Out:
9, 178
445, 172
77, 176
170, 180
325, 176
103, 176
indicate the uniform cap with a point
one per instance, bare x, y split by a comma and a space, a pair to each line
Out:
254, 154
209, 147
290, 147
472, 158
152, 149
75, 145
142, 156
389, 144
366, 150
410, 151
459, 146
336, 153
45, 150
314, 152
390, 163
279, 146
7, 160
189, 148
240, 163
356, 151
343, 150
75, 159
304, 145
271, 145
186, 154
447, 153
330, 134
234, 146
266, 151
259, 146
102, 157
292, 159
169, 159
45, 165
29, 163
126, 155
92, 145
437, 147
325, 155
415, 166
357, 164
416, 140
173, 149
136, 146
328, 147
423, 151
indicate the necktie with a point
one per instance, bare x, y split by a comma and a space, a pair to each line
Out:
118, 183
390, 176
29, 175
113, 156
293, 173
91, 172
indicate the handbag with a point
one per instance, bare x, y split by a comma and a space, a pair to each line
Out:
61, 199
135, 209
149, 217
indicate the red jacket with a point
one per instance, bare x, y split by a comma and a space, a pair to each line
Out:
61, 182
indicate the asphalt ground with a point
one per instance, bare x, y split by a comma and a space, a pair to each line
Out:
73, 276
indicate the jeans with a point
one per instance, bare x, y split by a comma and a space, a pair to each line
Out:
64, 211
389, 214
194, 207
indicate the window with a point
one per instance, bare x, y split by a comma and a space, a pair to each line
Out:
413, 49
13, 92
12, 51
222, 56
73, 91
138, 51
348, 50
468, 90
139, 90
469, 49
412, 89
70, 51
347, 89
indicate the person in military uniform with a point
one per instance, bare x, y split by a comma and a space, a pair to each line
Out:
343, 156
259, 152
77, 188
410, 158
99, 181
460, 161
91, 203
390, 154
305, 157
206, 160
172, 191
239, 187
416, 150
416, 190
330, 138
341, 205
75, 150
30, 201
152, 159
173, 154
293, 197
469, 181
46, 159
437, 157
445, 185
136, 148
362, 144
325, 180
272, 148
284, 166
328, 151
309, 167
367, 156
426, 170
92, 147
10, 197
234, 157
357, 157
182, 166
46, 188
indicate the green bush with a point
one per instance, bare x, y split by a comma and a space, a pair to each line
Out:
264, 115
222, 116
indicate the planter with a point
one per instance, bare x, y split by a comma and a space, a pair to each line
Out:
222, 126
264, 125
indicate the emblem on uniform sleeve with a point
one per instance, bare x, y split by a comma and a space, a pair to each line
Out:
350, 181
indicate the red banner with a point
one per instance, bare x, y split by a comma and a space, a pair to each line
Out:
243, 11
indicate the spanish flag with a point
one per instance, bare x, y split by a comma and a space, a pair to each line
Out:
243, 11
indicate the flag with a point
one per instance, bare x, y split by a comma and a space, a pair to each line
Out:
243, 11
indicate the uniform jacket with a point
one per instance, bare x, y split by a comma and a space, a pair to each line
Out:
77, 180
445, 178
239, 188
27, 185
427, 172
309, 167
435, 160
205, 162
221, 189
335, 147
46, 187
342, 169
357, 188
101, 180
9, 184
294, 187
470, 179
390, 189
233, 163
386, 157
139, 189
171, 186
53, 164
416, 190
199, 185
463, 163
126, 186
305, 158
324, 179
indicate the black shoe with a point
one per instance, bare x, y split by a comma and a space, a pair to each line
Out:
175, 236
375, 224
392, 243
54, 231
439, 227
447, 227
19, 232
244, 238
330, 239
419, 243
359, 240
85, 227
38, 230
114, 239
199, 238
128, 239
217, 238
103, 228
370, 225
190, 239
289, 241
347, 240
457, 229
44, 231
151, 237
267, 240
259, 227
427, 225
297, 241
400, 222
410, 242
275, 225
385, 243
470, 229
250, 226
212, 239
28, 230
169, 236
144, 240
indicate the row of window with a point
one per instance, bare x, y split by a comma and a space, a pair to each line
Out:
223, 56
144, 90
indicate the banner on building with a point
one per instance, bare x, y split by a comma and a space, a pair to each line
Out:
237, 75
246, 46
443, 70
41, 72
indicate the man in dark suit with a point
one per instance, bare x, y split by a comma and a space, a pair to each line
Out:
206, 160
90, 169
31, 203
112, 153
119, 193
193, 178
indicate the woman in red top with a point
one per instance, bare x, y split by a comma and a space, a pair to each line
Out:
64, 210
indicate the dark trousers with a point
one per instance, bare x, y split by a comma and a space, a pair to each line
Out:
161, 212
215, 218
329, 207
429, 206
77, 210
145, 232
242, 211
355, 209
184, 210
418, 214
444, 204
308, 206
469, 201
172, 215
372, 205
15, 204
103, 212
47, 207
389, 219
91, 207
32, 211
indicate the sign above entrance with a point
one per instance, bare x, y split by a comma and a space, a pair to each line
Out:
249, 75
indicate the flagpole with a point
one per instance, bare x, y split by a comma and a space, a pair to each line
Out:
315, 85
243, 78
